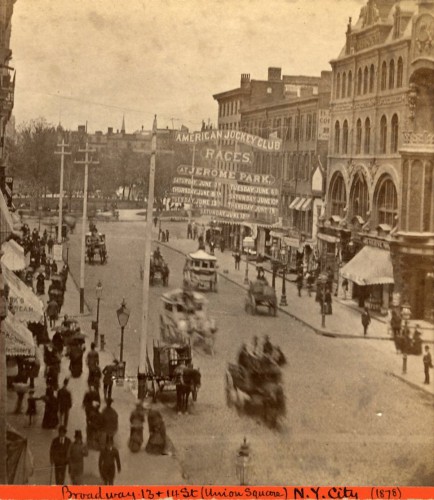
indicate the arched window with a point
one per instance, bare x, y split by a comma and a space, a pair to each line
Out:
338, 85
399, 73
337, 136
345, 138
392, 74
359, 197
359, 81
383, 75
338, 195
365, 80
344, 85
394, 134
371, 78
386, 202
358, 136
350, 84
367, 144
383, 134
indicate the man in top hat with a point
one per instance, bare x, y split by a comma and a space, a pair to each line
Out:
59, 450
108, 461
109, 374
109, 419
77, 452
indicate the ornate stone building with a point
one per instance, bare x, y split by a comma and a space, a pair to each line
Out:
379, 221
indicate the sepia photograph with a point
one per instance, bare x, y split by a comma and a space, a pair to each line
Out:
217, 243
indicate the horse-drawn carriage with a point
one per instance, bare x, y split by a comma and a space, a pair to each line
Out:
261, 294
201, 270
184, 317
163, 375
158, 271
254, 386
96, 245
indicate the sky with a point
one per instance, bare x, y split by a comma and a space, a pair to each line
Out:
95, 61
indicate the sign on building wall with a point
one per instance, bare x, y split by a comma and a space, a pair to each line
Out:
323, 125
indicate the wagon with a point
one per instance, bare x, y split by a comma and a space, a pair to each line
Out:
167, 357
201, 270
184, 318
96, 244
260, 294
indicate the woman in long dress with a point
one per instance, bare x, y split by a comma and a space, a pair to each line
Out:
51, 419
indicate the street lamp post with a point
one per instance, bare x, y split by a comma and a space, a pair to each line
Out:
248, 242
98, 294
323, 282
123, 316
283, 301
67, 252
243, 463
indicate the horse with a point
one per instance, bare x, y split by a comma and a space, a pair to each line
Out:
191, 383
90, 254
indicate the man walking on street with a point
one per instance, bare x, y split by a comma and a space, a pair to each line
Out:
108, 377
52, 312
299, 282
64, 399
109, 419
366, 320
427, 364
108, 461
59, 455
77, 452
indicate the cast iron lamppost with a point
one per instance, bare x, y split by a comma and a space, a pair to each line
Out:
123, 316
322, 280
283, 256
243, 460
98, 294
248, 242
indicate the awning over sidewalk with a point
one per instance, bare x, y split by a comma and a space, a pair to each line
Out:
291, 242
371, 266
14, 258
19, 340
25, 304
327, 237
6, 222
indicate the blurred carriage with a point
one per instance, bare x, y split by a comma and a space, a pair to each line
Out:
261, 294
158, 271
96, 245
201, 270
254, 385
184, 317
71, 334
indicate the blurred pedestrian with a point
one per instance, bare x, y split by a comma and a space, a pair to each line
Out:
50, 245
92, 358
110, 419
237, 258
31, 406
427, 364
51, 418
366, 320
396, 322
167, 236
345, 288
108, 461
94, 427
64, 400
52, 312
59, 450
299, 282
189, 231
310, 280
328, 302
90, 396
108, 378
77, 451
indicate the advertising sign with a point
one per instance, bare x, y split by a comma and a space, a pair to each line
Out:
323, 125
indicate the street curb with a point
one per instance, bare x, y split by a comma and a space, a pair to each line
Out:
411, 384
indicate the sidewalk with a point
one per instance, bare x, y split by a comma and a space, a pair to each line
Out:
136, 467
344, 323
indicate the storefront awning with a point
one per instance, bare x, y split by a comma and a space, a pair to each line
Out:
298, 203
14, 258
292, 242
307, 204
25, 304
6, 223
371, 266
328, 238
294, 202
19, 340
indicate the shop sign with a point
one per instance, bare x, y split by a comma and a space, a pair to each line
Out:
226, 156
323, 125
376, 243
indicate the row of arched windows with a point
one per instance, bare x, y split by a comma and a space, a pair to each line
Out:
391, 77
385, 201
363, 136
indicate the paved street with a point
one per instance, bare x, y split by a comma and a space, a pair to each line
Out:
348, 420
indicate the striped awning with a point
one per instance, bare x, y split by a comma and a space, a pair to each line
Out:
307, 204
19, 339
371, 266
294, 202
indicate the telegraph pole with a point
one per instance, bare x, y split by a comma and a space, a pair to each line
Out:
87, 161
62, 154
141, 376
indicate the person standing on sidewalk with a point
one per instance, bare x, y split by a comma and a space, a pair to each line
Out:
366, 320
64, 399
77, 451
299, 281
52, 312
110, 419
396, 322
237, 258
59, 450
108, 461
108, 377
427, 364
